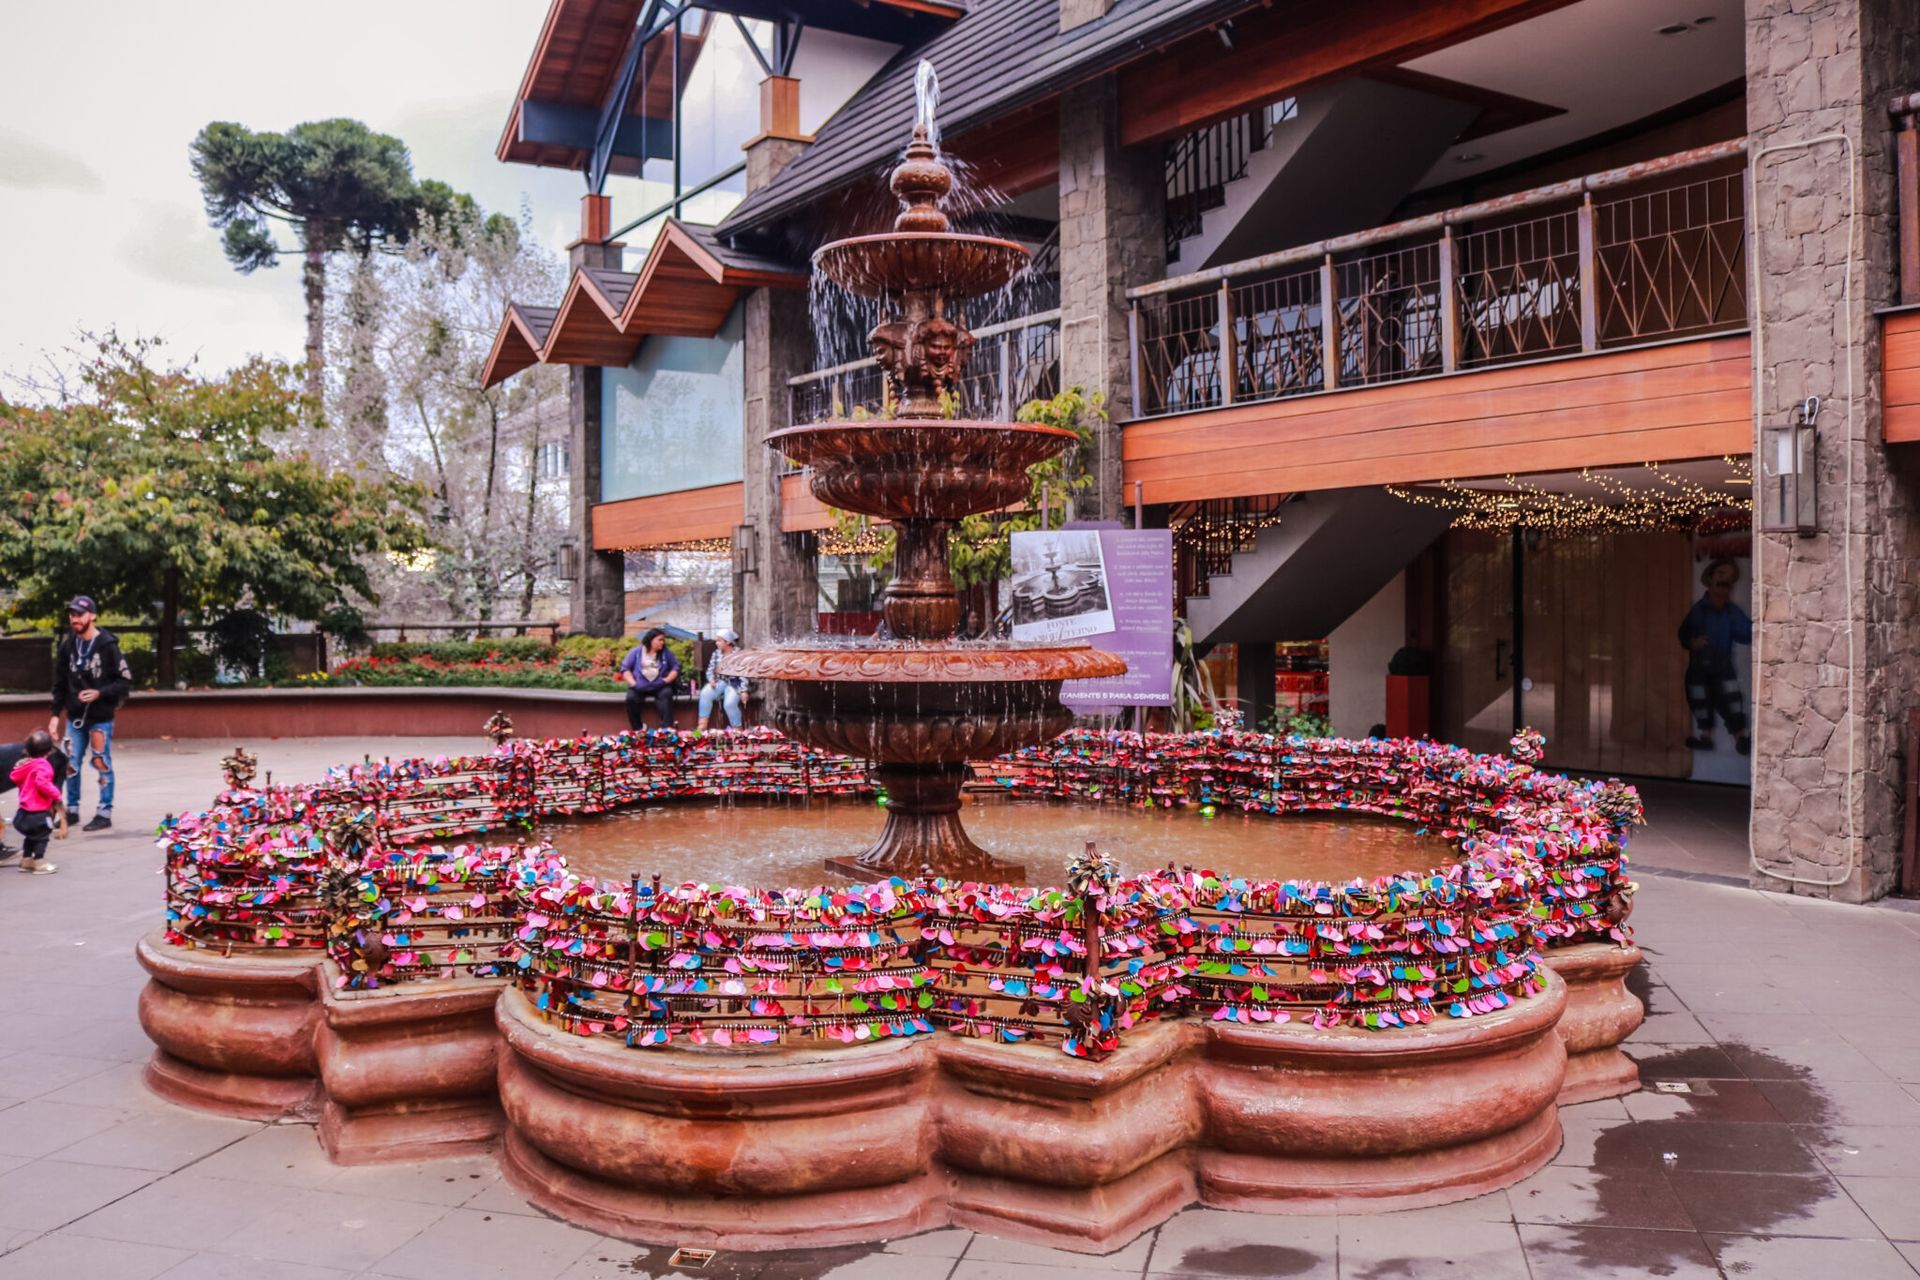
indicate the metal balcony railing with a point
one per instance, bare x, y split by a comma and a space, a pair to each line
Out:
1012, 363
1630, 256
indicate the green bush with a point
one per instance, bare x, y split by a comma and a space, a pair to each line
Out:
587, 652
515, 648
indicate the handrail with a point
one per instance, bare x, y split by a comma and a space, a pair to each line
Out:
1430, 222
988, 331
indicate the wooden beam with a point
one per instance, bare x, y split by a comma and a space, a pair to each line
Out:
1292, 46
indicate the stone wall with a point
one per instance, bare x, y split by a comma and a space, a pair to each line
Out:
597, 596
1112, 237
780, 598
1838, 652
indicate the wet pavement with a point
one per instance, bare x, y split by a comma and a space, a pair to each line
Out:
1779, 1135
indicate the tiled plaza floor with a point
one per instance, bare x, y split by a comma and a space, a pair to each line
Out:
1796, 1152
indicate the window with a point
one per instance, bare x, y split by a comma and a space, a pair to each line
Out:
552, 460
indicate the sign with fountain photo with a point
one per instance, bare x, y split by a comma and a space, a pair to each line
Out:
1111, 587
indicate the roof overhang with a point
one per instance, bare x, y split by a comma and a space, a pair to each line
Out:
576, 66
685, 288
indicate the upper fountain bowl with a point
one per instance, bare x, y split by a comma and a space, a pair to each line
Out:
950, 262
920, 468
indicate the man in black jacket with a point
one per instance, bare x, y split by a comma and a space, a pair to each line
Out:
90, 680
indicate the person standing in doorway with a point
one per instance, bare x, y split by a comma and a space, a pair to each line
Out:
650, 670
1708, 633
90, 681
729, 691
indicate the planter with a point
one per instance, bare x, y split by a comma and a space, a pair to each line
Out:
235, 1032
759, 1150
252, 714
1601, 1013
1307, 1120
407, 1072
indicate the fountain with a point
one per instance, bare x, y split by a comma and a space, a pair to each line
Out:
923, 706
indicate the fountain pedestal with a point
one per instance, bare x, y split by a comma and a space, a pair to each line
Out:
924, 706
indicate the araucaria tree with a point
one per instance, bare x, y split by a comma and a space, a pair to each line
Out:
411, 347
336, 184
164, 493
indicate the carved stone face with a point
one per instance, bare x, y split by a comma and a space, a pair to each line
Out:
942, 348
887, 344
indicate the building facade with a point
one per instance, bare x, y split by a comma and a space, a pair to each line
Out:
1493, 362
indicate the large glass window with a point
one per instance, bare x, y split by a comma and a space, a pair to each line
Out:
673, 419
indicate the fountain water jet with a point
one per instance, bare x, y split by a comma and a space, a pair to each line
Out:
922, 707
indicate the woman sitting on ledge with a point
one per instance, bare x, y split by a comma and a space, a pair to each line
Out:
651, 670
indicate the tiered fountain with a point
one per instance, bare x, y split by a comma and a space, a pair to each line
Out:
922, 706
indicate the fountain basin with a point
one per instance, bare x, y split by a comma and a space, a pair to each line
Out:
786, 1148
951, 262
920, 468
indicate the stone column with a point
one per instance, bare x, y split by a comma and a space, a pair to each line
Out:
1837, 647
777, 598
1112, 237
598, 595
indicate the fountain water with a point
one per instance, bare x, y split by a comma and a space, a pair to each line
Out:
923, 706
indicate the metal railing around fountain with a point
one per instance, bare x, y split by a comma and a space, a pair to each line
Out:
363, 866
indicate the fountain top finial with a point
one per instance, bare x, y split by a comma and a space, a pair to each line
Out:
921, 182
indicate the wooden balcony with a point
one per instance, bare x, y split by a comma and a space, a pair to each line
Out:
1591, 323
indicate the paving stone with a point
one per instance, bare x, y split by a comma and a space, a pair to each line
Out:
1825, 1062
87, 1258
1862, 1150
1726, 1146
1598, 1197
1615, 1253
1828, 1102
1740, 1101
1797, 1258
620, 1260
1430, 1250
187, 1212
1892, 1203
981, 1269
43, 1194
287, 1155
1212, 1242
466, 1244
947, 1242
44, 1127
1130, 1257
220, 1266
166, 1140
1770, 1204
328, 1229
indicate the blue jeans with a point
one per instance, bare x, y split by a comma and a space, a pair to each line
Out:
727, 696
80, 756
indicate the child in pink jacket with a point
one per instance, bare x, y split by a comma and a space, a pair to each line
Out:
38, 795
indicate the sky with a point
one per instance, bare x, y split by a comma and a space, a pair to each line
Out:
101, 222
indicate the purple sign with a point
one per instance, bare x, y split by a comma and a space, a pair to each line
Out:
1113, 588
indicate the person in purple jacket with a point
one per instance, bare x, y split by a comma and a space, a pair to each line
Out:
650, 671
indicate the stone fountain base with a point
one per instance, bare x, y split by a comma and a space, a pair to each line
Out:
1601, 1013
789, 1148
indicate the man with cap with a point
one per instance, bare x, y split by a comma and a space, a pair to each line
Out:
728, 691
90, 680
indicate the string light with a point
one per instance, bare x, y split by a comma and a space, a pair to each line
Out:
1655, 498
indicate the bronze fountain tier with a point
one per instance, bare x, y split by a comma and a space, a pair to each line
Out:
922, 707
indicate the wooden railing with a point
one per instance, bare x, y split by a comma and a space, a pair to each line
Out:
1905, 111
1615, 259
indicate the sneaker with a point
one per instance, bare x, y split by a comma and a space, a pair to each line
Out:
100, 823
38, 867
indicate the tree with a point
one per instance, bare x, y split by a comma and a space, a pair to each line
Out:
413, 343
336, 183
167, 494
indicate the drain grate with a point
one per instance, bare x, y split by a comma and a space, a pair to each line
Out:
692, 1259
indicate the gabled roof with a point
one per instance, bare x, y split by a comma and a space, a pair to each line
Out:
523, 332
686, 287
1005, 54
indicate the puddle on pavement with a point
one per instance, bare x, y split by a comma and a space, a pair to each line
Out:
1252, 1260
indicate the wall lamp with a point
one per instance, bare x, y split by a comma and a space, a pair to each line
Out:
1789, 462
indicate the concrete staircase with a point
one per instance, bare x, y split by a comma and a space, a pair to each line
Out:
1331, 552
1344, 158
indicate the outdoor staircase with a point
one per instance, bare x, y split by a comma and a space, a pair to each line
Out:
1329, 553
1299, 170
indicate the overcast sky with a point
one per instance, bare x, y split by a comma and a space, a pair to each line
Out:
100, 219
